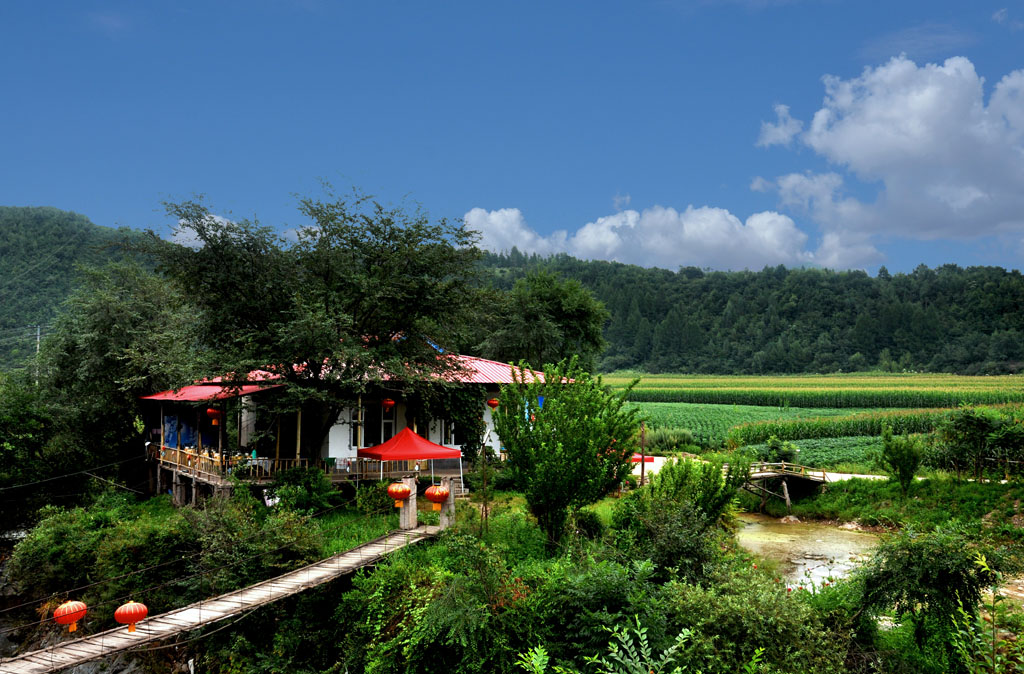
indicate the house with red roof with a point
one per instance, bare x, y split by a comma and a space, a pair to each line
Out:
202, 433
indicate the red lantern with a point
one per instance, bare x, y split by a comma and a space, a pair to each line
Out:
69, 613
131, 613
215, 416
493, 403
400, 492
437, 495
387, 404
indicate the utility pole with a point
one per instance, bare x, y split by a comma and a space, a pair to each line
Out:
643, 456
38, 335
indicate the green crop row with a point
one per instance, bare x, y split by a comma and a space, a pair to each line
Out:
710, 424
832, 398
865, 423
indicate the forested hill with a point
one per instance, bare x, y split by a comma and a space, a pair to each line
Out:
782, 320
39, 248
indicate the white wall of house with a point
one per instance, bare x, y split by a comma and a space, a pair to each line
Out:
341, 445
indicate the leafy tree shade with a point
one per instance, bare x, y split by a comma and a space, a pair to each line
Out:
24, 424
124, 334
361, 299
569, 441
545, 319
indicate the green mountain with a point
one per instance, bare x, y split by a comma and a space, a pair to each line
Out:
40, 248
778, 320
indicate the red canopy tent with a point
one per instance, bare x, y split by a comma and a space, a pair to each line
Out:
407, 446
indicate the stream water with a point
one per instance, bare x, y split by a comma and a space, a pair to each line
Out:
806, 551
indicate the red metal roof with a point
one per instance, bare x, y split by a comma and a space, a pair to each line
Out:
407, 446
483, 371
474, 371
201, 392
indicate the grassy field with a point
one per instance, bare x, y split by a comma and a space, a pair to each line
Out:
861, 390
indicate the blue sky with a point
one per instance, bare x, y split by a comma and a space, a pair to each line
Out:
715, 133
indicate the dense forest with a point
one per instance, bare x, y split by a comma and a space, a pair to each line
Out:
779, 320
776, 320
40, 252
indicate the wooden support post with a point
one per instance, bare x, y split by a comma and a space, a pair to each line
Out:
277, 446
176, 489
298, 436
448, 507
195, 490
785, 494
407, 514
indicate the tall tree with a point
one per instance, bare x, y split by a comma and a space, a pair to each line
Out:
367, 295
546, 319
568, 439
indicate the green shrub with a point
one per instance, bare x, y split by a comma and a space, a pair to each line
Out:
587, 523
373, 497
741, 611
925, 577
304, 489
664, 441
901, 455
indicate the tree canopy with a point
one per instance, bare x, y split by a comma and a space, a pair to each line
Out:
366, 295
545, 319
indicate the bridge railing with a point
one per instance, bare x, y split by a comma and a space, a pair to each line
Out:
788, 469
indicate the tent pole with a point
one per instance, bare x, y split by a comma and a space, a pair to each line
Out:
431, 471
462, 485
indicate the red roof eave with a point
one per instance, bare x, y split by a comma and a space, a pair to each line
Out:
206, 392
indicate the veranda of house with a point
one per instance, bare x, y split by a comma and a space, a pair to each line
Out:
201, 434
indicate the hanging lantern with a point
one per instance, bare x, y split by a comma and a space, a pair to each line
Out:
493, 403
400, 492
387, 404
215, 416
69, 613
437, 495
131, 613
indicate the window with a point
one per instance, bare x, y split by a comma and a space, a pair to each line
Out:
378, 425
452, 434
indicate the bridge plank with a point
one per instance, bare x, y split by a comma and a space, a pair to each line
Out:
210, 610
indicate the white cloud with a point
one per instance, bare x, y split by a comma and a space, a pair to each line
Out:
657, 237
187, 237
942, 161
1000, 16
502, 229
781, 133
929, 40
621, 201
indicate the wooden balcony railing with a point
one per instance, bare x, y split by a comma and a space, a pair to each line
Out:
215, 467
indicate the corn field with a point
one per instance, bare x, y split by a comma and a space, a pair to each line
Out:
880, 390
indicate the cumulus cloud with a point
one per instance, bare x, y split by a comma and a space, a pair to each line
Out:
944, 162
782, 132
657, 237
